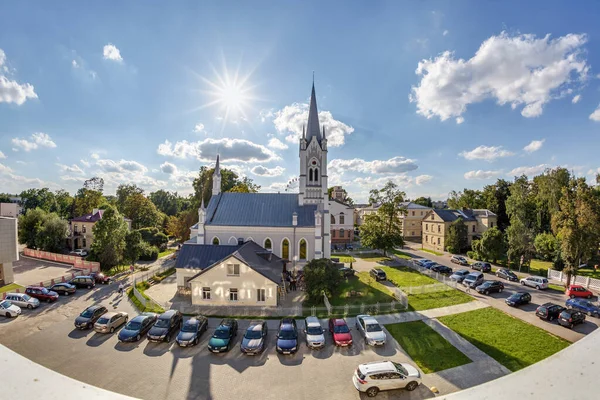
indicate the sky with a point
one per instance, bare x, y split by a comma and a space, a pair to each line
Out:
433, 95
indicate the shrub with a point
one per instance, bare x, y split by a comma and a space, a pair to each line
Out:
148, 252
153, 236
473, 255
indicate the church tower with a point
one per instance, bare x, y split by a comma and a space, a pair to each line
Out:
216, 189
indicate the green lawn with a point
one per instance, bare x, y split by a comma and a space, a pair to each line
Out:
588, 272
404, 277
426, 347
559, 288
539, 267
371, 291
401, 254
11, 288
427, 301
435, 253
345, 258
373, 257
168, 251
512, 342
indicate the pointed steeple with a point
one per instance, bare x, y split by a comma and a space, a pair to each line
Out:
202, 205
217, 178
313, 118
217, 167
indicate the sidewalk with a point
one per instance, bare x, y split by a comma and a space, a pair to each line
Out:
410, 316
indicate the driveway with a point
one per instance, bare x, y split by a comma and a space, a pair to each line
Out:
31, 271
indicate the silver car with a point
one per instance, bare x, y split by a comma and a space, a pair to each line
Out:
371, 330
110, 321
23, 300
9, 310
314, 333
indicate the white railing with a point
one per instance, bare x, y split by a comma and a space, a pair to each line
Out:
585, 281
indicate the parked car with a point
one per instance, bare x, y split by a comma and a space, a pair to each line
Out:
488, 287
349, 247
63, 289
507, 274
578, 291
537, 282
110, 321
136, 328
41, 293
340, 332
99, 277
190, 332
287, 336
585, 306
570, 318
460, 260
347, 272
549, 311
79, 252
222, 338
442, 269
89, 316
255, 338
373, 377
482, 266
368, 327
83, 281
378, 274
23, 300
473, 280
314, 333
517, 299
9, 310
429, 264
459, 276
166, 325
421, 261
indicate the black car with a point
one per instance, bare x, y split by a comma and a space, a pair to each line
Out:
378, 274
517, 299
287, 336
166, 324
190, 332
64, 289
255, 338
137, 327
222, 339
507, 274
99, 277
83, 282
549, 311
89, 316
570, 318
488, 287
442, 269
346, 272
482, 266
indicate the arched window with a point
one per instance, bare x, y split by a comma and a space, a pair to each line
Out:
215, 241
342, 232
316, 174
332, 219
302, 249
268, 244
310, 175
285, 249
342, 219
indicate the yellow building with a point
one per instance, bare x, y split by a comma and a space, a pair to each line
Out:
436, 223
81, 235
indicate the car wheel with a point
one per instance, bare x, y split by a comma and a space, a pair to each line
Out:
48, 300
137, 338
588, 296
29, 306
486, 292
65, 293
537, 287
572, 296
411, 386
522, 283
372, 391
89, 287
501, 289
570, 326
168, 338
112, 329
8, 315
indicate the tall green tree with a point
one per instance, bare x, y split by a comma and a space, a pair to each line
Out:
30, 227
495, 196
321, 276
141, 211
124, 192
109, 238
96, 184
492, 245
424, 201
41, 230
179, 226
546, 246
547, 191
38, 198
229, 180
166, 201
133, 247
5, 198
86, 200
520, 207
456, 239
468, 198
64, 204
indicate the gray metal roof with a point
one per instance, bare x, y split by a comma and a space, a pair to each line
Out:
449, 215
201, 256
313, 118
412, 206
258, 209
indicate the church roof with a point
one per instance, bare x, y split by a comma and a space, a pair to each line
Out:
258, 209
313, 118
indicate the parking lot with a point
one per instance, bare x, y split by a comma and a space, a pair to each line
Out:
29, 271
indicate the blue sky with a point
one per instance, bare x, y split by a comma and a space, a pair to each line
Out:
433, 95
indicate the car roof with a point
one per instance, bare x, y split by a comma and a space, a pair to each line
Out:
94, 307
312, 321
370, 320
110, 314
377, 269
82, 276
549, 305
339, 321
35, 287
377, 366
255, 326
168, 314
192, 321
575, 286
141, 317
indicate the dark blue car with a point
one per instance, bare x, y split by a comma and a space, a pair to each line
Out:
584, 305
137, 327
287, 336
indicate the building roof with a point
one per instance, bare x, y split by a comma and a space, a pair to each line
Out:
94, 216
201, 256
414, 206
313, 128
449, 215
258, 209
483, 213
341, 202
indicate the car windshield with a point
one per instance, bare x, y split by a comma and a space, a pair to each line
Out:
314, 330
287, 334
221, 333
103, 320
6, 304
162, 323
189, 328
87, 313
401, 369
252, 334
373, 328
45, 291
26, 297
341, 329
133, 326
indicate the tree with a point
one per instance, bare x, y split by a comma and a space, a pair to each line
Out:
468, 198
64, 204
123, 193
492, 245
141, 211
96, 184
109, 238
229, 180
456, 239
39, 229
165, 201
424, 201
133, 247
546, 246
495, 200
154, 237
547, 191
520, 208
4, 198
37, 198
86, 200
246, 185
321, 276
30, 226
179, 226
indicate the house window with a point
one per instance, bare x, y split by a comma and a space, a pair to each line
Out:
412, 233
491, 224
205, 293
473, 228
268, 244
303, 249
233, 295
439, 228
432, 217
316, 175
332, 220
233, 269
84, 243
261, 295
333, 233
285, 249
83, 229
75, 229
215, 241
342, 232
349, 233
426, 239
310, 175
427, 227
413, 213
342, 219
438, 240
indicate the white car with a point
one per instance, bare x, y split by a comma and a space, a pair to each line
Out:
23, 300
373, 377
537, 282
79, 252
314, 333
8, 309
371, 330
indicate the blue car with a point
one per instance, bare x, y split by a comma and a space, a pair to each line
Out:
287, 336
421, 262
429, 264
137, 327
586, 306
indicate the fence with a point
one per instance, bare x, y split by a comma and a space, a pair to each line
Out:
585, 281
75, 261
144, 299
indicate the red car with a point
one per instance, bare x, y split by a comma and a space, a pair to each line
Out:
41, 293
340, 331
99, 277
578, 291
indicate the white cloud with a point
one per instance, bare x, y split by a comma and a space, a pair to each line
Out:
168, 168
488, 153
266, 114
277, 144
122, 166
240, 150
394, 165
445, 32
292, 118
111, 52
268, 172
38, 139
13, 92
423, 179
516, 70
460, 120
74, 169
535, 145
595, 116
95, 156
74, 64
4, 169
576, 99
85, 163
199, 128
2, 155
480, 174
590, 172
529, 171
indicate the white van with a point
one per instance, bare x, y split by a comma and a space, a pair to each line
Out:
473, 280
23, 300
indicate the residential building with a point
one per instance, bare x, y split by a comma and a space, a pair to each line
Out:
342, 222
12, 210
440, 204
81, 234
338, 193
412, 221
9, 249
436, 224
362, 211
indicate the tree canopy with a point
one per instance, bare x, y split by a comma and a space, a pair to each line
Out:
424, 201
109, 238
321, 276
42, 230
230, 181
456, 238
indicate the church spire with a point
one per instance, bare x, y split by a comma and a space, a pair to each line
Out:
217, 167
313, 118
217, 178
